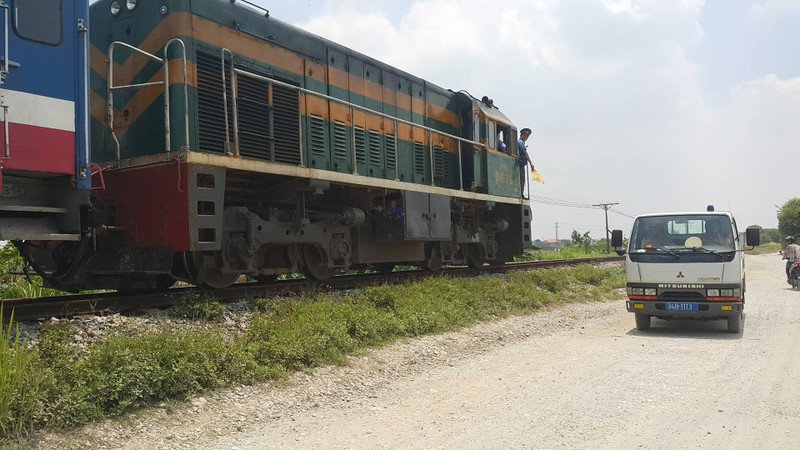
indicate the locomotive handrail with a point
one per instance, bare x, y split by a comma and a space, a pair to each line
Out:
225, 107
6, 133
6, 57
165, 83
3, 75
166, 94
353, 107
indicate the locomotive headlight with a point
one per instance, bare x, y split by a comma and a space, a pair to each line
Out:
115, 8
130, 4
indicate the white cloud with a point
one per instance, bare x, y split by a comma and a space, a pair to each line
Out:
626, 7
774, 6
617, 106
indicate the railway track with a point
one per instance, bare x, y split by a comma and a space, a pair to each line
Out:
106, 303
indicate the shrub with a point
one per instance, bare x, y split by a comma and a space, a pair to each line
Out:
200, 306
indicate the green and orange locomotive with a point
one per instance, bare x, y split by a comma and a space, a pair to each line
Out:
226, 143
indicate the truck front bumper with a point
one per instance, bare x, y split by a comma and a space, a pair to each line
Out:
664, 309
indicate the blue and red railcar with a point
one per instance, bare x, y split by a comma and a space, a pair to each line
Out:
202, 140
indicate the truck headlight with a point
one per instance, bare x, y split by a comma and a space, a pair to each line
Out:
713, 293
650, 292
726, 292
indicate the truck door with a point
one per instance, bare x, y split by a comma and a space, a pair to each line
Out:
43, 89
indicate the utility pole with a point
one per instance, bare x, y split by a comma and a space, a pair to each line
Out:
557, 242
606, 207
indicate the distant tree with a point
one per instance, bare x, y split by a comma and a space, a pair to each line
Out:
771, 235
601, 246
789, 218
583, 241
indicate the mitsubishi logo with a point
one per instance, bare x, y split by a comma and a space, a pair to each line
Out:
680, 275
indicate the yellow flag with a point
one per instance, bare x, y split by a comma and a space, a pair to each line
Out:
537, 177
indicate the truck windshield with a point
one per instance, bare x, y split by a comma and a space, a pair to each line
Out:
675, 233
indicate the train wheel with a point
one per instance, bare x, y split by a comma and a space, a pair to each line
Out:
473, 253
314, 265
433, 260
219, 280
211, 277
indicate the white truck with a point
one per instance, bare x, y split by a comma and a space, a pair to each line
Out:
685, 265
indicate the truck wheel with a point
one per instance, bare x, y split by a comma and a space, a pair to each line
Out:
642, 321
735, 324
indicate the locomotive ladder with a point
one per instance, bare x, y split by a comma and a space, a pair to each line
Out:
235, 72
165, 61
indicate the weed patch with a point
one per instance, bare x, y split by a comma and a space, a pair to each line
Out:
56, 384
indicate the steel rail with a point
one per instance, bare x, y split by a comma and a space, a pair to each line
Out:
108, 303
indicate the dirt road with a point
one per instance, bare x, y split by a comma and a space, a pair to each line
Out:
577, 377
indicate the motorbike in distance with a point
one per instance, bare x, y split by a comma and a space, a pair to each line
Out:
793, 277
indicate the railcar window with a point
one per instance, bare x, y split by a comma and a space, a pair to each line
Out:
39, 20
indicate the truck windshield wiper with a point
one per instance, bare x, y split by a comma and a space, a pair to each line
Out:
661, 250
706, 250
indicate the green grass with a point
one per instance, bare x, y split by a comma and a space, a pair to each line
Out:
57, 385
568, 252
28, 289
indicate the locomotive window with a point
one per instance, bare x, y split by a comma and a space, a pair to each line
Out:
491, 134
39, 20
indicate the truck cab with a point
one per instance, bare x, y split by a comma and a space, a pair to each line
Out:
685, 265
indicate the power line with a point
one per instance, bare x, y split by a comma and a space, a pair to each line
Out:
606, 207
559, 202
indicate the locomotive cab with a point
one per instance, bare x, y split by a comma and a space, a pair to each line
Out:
490, 166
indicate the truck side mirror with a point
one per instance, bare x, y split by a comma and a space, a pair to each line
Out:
753, 237
616, 242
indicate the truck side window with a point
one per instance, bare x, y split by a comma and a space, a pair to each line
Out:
39, 20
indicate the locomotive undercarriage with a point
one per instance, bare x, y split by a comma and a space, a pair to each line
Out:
325, 231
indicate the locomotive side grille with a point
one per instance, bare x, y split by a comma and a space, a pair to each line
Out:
286, 123
317, 135
391, 152
252, 105
210, 104
419, 159
375, 148
268, 133
439, 158
360, 146
340, 141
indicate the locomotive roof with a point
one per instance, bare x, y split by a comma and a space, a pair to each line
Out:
254, 22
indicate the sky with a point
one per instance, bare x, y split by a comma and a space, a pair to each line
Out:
656, 105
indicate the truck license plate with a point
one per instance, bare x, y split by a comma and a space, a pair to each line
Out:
681, 306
